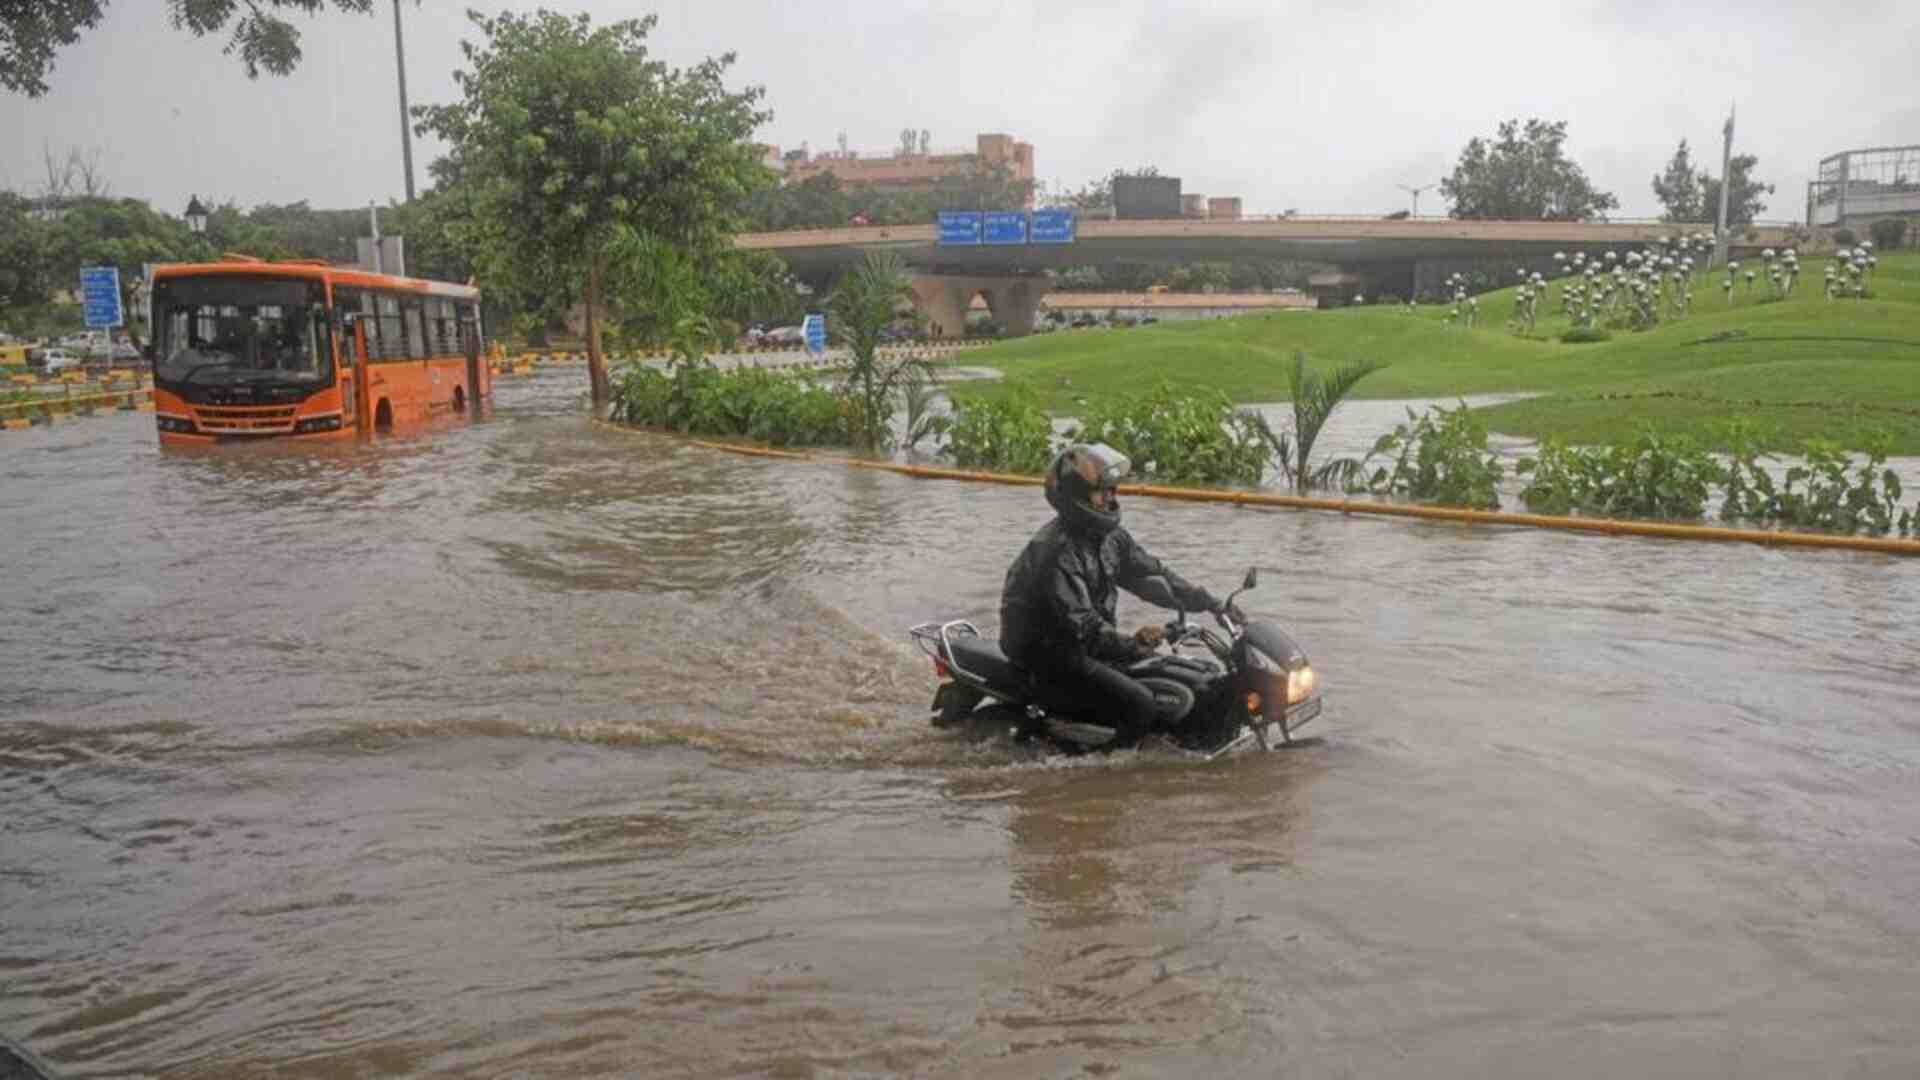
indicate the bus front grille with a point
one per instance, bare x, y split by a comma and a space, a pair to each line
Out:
244, 420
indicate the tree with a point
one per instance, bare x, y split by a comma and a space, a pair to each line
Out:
32, 32
1745, 199
865, 302
125, 233
26, 255
588, 160
1524, 175
1678, 189
1314, 402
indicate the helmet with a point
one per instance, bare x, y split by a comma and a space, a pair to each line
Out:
1078, 472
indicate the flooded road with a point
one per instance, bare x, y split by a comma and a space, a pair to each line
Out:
537, 748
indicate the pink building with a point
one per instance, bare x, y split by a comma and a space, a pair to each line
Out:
907, 172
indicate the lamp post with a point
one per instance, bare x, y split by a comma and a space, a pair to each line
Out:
196, 216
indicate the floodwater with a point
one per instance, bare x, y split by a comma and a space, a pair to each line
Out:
537, 748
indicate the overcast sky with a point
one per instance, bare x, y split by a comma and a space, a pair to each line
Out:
1321, 107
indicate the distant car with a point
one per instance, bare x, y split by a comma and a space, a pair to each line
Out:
124, 350
58, 360
785, 335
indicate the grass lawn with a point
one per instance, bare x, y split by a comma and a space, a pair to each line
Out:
1794, 368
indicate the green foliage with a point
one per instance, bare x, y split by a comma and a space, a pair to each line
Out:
1314, 400
1584, 335
1181, 438
1008, 434
30, 33
917, 395
1443, 460
1889, 233
1524, 175
1650, 477
1844, 237
697, 398
1828, 490
590, 164
1678, 188
867, 301
1745, 200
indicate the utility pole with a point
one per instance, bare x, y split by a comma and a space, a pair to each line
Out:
406, 132
1726, 184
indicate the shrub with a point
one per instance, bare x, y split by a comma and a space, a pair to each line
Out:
1889, 233
1581, 335
1820, 493
771, 407
1008, 434
1178, 438
1845, 238
1648, 477
1442, 459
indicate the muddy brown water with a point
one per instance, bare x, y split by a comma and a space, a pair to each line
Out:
534, 748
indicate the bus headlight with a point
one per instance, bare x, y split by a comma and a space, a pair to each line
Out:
330, 422
181, 424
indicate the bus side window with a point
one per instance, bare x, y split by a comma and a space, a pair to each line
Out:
417, 346
393, 337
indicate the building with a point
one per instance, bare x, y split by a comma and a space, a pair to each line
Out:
903, 171
1858, 187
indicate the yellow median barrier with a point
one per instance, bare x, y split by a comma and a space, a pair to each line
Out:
1600, 526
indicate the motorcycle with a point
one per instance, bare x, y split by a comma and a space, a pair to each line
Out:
1214, 694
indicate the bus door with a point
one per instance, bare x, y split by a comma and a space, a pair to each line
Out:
472, 336
359, 401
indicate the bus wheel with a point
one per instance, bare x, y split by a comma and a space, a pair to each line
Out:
459, 399
383, 416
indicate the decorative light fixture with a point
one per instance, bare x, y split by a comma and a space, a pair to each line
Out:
196, 216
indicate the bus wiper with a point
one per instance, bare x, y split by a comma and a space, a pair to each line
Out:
198, 368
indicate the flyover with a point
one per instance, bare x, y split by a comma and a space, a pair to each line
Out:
1012, 276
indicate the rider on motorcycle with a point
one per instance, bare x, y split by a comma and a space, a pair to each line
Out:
1057, 607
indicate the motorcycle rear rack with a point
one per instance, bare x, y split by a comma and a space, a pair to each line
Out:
933, 639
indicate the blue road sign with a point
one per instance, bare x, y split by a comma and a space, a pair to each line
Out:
1052, 227
1005, 227
959, 227
814, 329
100, 296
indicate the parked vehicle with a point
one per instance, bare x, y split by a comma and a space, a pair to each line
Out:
59, 360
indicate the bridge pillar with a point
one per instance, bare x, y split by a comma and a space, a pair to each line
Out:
943, 299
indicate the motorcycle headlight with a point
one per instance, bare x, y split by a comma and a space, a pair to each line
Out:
1300, 684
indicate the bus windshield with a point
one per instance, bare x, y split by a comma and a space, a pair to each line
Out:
228, 330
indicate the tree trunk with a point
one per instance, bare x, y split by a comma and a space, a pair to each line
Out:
596, 363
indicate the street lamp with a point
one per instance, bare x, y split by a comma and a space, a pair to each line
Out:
196, 216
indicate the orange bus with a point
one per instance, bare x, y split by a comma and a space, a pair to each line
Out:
245, 349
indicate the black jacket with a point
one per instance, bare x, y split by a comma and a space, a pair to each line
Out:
1061, 593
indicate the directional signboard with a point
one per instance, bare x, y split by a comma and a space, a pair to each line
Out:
1005, 227
959, 227
813, 329
100, 296
1051, 227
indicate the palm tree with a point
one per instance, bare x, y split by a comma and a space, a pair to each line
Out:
1314, 401
865, 302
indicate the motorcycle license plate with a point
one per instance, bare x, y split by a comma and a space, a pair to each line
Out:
943, 695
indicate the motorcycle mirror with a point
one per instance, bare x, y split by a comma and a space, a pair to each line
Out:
1156, 591
1253, 578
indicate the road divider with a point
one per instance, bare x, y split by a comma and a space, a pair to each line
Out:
1599, 526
